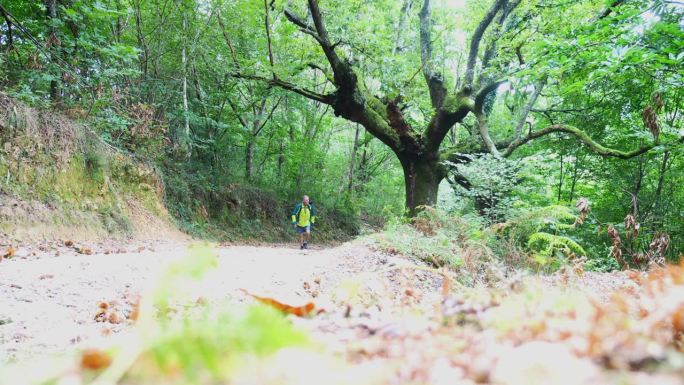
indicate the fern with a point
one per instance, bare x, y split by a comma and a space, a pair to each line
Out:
552, 218
542, 233
546, 245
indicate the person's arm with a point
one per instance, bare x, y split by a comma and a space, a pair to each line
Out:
313, 214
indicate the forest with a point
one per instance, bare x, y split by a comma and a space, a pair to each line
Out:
487, 143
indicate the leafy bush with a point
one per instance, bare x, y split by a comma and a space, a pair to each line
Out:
438, 239
543, 234
492, 181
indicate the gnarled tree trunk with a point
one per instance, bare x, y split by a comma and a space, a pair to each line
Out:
422, 176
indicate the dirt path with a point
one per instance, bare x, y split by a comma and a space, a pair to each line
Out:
47, 303
396, 326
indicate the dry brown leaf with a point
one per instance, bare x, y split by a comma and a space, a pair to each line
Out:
583, 207
133, 316
103, 305
68, 243
9, 253
114, 318
101, 315
299, 311
84, 250
94, 359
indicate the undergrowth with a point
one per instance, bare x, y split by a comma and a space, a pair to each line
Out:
539, 240
209, 208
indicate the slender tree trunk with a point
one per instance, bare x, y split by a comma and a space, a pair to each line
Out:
281, 158
560, 179
249, 158
575, 176
401, 27
659, 190
637, 187
352, 161
422, 176
184, 62
53, 44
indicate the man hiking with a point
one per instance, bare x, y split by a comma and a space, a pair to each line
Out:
303, 217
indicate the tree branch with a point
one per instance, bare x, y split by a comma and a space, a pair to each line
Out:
486, 90
582, 137
303, 26
326, 99
229, 43
609, 9
501, 26
484, 134
270, 114
325, 73
343, 76
342, 73
233, 106
528, 107
268, 38
433, 78
477, 37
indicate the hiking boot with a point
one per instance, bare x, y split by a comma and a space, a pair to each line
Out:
306, 245
301, 247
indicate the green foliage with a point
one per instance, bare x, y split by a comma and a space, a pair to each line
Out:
547, 247
544, 233
439, 239
215, 341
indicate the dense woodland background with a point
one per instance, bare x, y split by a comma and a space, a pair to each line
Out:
516, 110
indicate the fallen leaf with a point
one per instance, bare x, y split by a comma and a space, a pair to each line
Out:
68, 243
101, 315
133, 316
114, 318
103, 305
306, 286
94, 359
299, 311
84, 250
9, 253
317, 280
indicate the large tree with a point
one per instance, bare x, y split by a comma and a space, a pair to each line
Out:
419, 149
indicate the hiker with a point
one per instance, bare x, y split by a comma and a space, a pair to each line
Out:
303, 218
